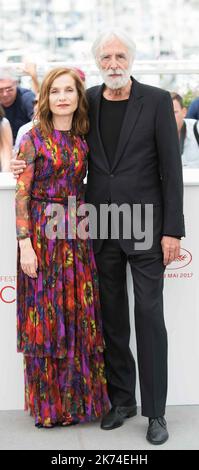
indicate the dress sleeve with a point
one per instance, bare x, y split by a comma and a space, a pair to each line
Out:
23, 188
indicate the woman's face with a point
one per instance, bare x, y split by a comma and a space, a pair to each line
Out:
63, 96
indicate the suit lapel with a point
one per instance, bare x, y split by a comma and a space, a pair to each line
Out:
95, 122
133, 110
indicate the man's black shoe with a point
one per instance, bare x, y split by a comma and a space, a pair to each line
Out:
157, 431
116, 416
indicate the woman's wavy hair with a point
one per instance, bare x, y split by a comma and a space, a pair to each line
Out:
43, 118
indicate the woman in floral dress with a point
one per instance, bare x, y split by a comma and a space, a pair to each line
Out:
58, 311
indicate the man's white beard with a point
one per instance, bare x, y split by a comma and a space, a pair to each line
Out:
116, 83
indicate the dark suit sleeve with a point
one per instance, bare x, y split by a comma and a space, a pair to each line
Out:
28, 99
193, 111
170, 165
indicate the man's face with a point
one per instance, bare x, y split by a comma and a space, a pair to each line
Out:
114, 63
180, 114
35, 105
8, 92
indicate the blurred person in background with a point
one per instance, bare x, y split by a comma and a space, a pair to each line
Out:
16, 101
26, 127
188, 133
81, 74
193, 110
6, 142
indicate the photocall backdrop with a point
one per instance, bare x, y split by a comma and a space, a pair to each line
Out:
181, 301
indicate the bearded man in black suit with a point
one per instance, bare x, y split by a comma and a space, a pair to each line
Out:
134, 160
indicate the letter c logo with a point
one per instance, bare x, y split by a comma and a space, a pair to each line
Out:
2, 293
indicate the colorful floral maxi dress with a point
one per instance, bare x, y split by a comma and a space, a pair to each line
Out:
58, 313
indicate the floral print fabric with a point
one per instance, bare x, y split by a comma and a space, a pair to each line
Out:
58, 314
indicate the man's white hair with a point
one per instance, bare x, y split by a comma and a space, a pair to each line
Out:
8, 73
108, 35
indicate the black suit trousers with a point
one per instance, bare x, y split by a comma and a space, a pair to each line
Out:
151, 336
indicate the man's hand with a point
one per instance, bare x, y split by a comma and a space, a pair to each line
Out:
17, 167
30, 69
170, 249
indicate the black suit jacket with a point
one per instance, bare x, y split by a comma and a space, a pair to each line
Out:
147, 166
